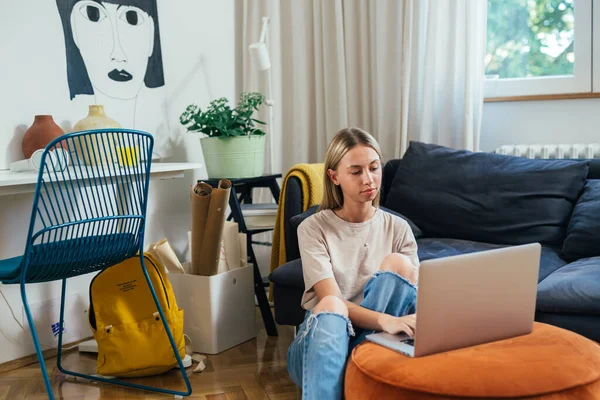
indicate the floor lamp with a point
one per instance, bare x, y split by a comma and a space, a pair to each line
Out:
259, 53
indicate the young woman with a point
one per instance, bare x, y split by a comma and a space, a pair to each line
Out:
360, 268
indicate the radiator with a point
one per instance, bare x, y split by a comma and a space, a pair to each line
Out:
551, 150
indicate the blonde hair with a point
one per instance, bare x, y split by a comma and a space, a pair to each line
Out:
343, 141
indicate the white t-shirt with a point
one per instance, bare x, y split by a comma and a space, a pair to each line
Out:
351, 253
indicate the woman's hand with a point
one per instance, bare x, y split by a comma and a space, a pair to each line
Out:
395, 325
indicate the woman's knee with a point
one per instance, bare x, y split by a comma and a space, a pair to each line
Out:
400, 264
331, 304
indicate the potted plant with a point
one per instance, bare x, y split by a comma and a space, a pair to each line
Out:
233, 147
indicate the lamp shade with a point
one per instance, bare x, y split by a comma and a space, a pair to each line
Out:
260, 55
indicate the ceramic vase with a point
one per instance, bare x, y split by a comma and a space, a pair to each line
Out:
42, 132
96, 149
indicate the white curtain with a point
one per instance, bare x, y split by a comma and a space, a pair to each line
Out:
401, 69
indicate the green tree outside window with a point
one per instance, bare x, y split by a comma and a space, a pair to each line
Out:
530, 38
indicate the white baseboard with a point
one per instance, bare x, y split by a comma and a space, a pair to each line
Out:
91, 346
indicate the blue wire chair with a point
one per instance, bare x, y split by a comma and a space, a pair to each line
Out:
86, 218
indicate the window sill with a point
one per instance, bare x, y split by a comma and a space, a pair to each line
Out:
543, 97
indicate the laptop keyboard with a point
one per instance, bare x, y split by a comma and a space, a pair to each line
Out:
409, 341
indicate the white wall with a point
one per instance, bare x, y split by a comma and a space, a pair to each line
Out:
199, 57
540, 122
200, 65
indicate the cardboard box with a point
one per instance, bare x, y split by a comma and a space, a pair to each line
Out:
219, 310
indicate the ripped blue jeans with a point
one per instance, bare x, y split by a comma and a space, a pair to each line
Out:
316, 359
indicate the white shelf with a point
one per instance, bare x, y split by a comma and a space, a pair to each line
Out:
25, 182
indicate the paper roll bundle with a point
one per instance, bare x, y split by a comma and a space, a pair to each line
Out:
163, 251
211, 244
233, 254
208, 218
200, 198
243, 250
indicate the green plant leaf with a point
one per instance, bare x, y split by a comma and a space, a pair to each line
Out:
220, 120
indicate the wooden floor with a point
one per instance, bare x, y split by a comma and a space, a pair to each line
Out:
252, 370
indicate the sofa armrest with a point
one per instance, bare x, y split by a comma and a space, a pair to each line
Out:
289, 275
287, 293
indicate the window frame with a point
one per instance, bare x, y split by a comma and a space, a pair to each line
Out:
579, 82
596, 46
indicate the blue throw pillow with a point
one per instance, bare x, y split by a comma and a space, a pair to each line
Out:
486, 197
583, 232
418, 233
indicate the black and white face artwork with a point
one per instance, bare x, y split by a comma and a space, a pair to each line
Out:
112, 48
116, 42
114, 58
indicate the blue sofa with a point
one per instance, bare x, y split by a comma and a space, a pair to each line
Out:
461, 202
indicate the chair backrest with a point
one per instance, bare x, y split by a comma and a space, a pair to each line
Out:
90, 203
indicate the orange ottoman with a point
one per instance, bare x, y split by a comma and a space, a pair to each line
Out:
549, 363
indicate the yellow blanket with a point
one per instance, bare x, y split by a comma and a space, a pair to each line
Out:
311, 178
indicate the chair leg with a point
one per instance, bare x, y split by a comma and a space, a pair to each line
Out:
259, 291
115, 381
61, 324
36, 342
169, 334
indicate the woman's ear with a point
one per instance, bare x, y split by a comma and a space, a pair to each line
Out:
333, 176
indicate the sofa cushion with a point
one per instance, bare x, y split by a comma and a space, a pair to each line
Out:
417, 232
587, 325
573, 288
486, 197
430, 248
583, 231
389, 172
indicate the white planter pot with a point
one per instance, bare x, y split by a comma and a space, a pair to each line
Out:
234, 157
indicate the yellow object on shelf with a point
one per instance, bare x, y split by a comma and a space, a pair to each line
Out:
128, 156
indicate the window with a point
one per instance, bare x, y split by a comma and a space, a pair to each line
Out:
538, 47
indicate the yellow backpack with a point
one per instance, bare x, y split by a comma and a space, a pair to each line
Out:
125, 321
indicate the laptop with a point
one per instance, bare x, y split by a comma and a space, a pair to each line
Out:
471, 299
